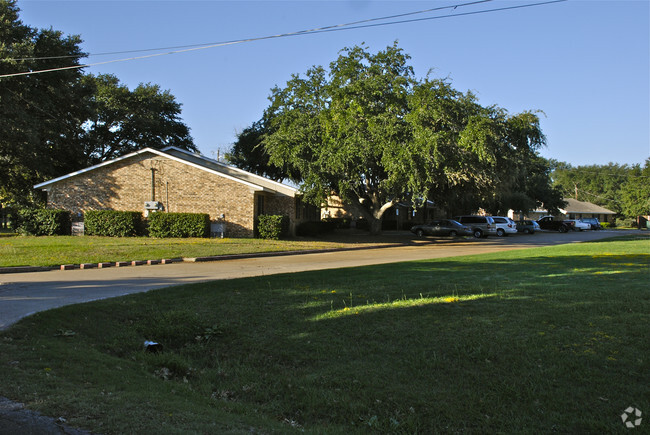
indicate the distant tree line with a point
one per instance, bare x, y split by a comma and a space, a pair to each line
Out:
624, 189
58, 122
370, 132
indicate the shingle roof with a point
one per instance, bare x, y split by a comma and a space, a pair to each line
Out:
575, 206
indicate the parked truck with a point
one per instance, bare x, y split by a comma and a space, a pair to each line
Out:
550, 223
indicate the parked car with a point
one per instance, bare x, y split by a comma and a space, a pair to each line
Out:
441, 227
550, 223
527, 227
481, 226
505, 225
579, 225
594, 222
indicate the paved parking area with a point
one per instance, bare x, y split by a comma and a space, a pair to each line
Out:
22, 294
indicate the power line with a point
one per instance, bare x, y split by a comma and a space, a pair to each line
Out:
576, 173
335, 28
316, 30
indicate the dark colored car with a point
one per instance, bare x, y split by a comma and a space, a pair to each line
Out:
441, 227
552, 224
527, 227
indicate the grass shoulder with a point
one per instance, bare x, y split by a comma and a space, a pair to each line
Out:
56, 250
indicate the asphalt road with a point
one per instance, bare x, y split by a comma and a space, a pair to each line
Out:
22, 294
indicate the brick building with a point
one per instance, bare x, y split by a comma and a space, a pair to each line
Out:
175, 180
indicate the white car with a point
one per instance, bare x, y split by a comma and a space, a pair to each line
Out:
505, 226
579, 225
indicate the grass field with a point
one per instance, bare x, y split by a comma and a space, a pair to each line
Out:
57, 250
532, 341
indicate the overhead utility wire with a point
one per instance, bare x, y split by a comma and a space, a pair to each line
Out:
319, 29
304, 32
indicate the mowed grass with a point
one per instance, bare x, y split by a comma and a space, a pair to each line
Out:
540, 340
57, 250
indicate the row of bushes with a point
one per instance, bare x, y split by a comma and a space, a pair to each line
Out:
130, 223
111, 223
45, 222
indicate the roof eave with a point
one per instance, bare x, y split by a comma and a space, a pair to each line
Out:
91, 168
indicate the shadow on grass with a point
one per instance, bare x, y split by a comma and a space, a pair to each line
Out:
507, 342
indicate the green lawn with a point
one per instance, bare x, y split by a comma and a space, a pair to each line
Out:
57, 250
533, 341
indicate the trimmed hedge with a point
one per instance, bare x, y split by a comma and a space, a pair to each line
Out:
272, 227
179, 225
42, 222
113, 223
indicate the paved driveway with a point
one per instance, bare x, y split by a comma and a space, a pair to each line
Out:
22, 294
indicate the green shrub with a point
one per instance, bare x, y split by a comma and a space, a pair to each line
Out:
164, 225
272, 226
41, 222
625, 223
606, 225
113, 223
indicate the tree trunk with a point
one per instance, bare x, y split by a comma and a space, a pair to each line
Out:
375, 226
373, 214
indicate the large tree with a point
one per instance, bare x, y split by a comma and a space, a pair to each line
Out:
248, 153
61, 121
635, 192
343, 133
121, 121
40, 114
477, 157
369, 132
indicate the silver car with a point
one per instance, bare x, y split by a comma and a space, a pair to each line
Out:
481, 226
505, 225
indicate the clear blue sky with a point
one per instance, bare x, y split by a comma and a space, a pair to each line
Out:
585, 64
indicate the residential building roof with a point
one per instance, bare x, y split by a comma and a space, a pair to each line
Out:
575, 206
253, 181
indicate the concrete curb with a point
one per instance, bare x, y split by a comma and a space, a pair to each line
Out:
86, 266
24, 269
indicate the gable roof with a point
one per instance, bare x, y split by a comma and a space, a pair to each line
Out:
249, 179
231, 170
575, 206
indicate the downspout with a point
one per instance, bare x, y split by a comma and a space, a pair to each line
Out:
153, 184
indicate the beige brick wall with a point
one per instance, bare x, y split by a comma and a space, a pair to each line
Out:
126, 185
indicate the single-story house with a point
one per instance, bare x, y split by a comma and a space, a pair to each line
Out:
402, 215
175, 180
578, 209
